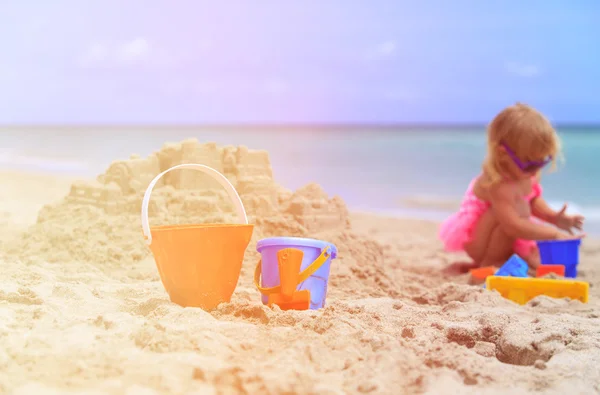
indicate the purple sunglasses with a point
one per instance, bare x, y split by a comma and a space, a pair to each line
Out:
528, 166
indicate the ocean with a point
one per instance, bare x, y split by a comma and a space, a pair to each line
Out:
405, 172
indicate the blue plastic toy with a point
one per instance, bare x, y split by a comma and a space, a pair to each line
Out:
561, 252
514, 267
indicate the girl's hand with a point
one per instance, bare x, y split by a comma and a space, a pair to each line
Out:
568, 222
569, 236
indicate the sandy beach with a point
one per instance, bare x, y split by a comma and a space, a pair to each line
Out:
83, 310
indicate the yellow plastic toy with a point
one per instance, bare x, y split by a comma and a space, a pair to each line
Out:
522, 290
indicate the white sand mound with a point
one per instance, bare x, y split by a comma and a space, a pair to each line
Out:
100, 220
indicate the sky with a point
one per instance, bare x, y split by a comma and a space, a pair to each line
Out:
296, 61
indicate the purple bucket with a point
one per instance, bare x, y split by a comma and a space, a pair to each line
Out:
312, 248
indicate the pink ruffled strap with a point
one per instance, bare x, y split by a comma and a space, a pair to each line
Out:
536, 191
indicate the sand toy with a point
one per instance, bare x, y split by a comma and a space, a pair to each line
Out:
522, 290
293, 272
199, 264
479, 274
543, 270
515, 266
561, 252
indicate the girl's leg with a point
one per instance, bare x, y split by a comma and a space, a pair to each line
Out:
500, 248
490, 245
533, 260
529, 251
481, 237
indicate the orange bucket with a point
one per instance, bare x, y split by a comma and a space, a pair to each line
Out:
199, 265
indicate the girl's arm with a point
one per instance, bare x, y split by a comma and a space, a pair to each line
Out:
541, 210
502, 198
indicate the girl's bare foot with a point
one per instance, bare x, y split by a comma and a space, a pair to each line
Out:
533, 261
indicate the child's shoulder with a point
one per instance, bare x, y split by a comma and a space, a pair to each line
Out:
485, 189
484, 182
527, 187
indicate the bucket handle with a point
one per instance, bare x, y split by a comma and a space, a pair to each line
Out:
237, 202
304, 275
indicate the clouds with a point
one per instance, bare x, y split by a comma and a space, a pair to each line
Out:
131, 51
522, 69
114, 55
340, 60
386, 48
382, 50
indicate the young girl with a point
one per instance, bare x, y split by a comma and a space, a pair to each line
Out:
494, 220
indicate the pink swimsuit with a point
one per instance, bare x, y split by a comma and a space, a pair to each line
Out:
458, 228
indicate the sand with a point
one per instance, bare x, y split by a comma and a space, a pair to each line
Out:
82, 308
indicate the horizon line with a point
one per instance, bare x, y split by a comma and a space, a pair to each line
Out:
397, 125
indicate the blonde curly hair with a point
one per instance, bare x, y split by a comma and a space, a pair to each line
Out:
527, 132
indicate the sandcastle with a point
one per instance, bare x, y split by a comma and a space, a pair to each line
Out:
114, 200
